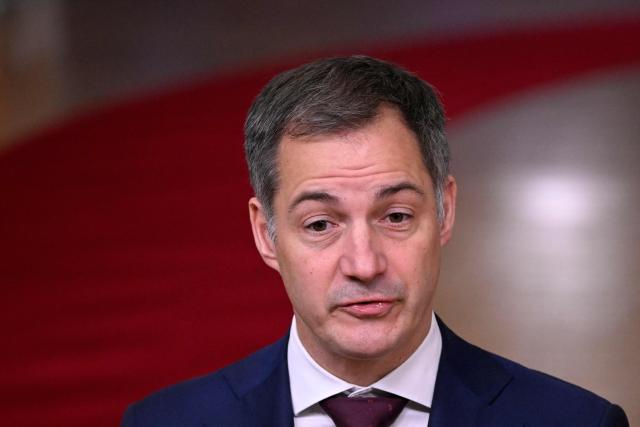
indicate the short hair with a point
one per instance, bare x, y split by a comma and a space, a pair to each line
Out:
333, 95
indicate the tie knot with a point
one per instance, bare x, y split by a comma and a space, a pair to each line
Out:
363, 411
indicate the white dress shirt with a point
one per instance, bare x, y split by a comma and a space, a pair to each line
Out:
414, 380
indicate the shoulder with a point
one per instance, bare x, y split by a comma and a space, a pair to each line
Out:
515, 392
215, 396
556, 401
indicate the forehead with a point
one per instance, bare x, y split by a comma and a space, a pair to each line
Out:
382, 151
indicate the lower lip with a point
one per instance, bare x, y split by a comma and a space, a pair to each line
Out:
373, 309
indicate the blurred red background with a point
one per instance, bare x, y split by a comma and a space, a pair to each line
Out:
127, 262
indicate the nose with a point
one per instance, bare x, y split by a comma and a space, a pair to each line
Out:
363, 257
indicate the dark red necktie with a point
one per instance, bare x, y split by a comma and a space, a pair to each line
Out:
363, 411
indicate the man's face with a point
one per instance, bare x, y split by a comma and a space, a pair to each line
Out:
358, 241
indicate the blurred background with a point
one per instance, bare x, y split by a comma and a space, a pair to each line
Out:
126, 259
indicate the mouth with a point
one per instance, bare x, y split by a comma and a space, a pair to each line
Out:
368, 309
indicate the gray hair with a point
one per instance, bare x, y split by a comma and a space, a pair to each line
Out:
333, 95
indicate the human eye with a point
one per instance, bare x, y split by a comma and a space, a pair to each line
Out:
318, 226
398, 219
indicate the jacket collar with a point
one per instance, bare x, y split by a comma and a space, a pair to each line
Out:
469, 380
261, 383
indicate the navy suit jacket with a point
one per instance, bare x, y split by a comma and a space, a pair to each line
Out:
473, 388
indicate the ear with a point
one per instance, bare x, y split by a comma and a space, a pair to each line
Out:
264, 243
449, 193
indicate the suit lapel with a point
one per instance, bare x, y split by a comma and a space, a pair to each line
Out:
271, 400
266, 398
454, 405
468, 381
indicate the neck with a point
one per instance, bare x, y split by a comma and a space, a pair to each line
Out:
361, 370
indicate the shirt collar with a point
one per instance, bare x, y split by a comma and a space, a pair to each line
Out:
310, 383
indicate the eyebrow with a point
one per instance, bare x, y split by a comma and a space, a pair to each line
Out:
382, 193
320, 196
390, 190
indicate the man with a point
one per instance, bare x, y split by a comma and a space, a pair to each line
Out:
354, 201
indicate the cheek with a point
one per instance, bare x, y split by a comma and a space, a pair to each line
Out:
418, 265
307, 278
415, 255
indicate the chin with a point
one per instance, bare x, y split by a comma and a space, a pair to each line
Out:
366, 344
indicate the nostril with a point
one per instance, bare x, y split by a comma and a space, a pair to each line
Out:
357, 280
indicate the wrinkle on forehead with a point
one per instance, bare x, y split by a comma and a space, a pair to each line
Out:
370, 183
382, 153
378, 192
